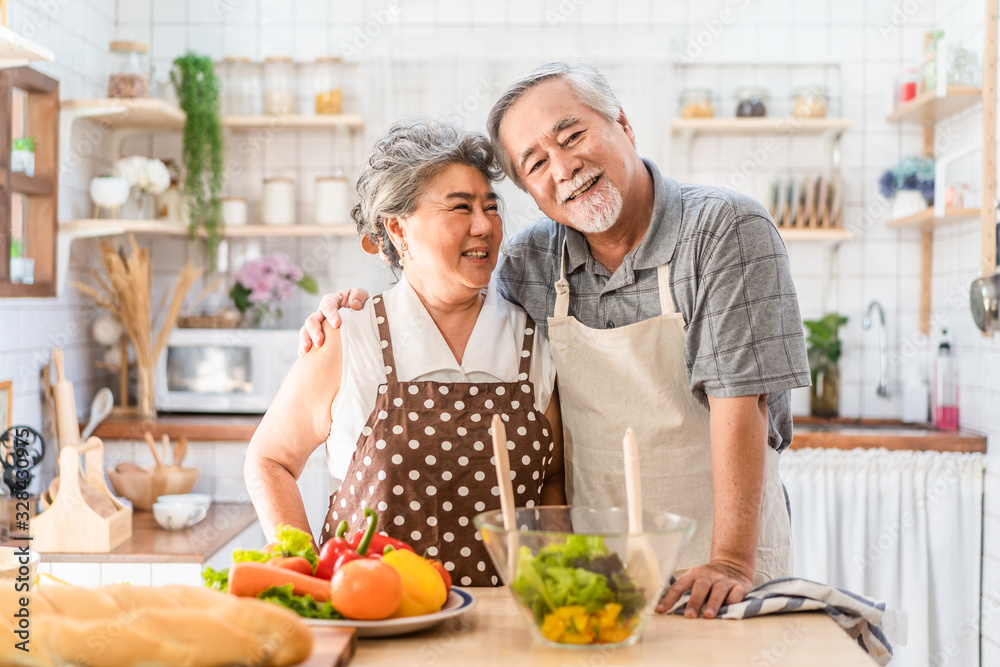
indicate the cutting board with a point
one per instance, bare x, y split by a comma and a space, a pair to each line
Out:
332, 647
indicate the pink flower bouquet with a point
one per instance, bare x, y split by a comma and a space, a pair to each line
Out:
262, 284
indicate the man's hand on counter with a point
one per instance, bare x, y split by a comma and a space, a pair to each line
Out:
712, 585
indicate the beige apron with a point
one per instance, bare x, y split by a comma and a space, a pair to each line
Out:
634, 375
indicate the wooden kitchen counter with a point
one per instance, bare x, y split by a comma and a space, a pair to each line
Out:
493, 633
152, 544
849, 433
197, 428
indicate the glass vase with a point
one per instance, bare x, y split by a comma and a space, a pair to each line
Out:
261, 316
824, 395
139, 205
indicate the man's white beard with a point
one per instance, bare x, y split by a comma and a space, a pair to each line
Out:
599, 212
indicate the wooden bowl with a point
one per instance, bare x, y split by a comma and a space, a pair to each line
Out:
143, 488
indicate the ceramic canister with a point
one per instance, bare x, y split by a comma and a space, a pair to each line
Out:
331, 200
234, 211
279, 202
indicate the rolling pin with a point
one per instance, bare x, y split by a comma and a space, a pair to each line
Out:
66, 419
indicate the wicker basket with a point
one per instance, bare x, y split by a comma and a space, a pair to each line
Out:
227, 319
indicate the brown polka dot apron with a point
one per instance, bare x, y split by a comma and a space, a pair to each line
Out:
424, 461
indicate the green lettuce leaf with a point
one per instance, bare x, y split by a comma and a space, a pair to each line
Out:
303, 605
241, 555
216, 579
295, 542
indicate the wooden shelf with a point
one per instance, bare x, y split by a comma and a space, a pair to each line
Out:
145, 114
295, 121
820, 235
23, 184
16, 50
96, 227
927, 220
157, 114
36, 290
927, 107
245, 231
760, 125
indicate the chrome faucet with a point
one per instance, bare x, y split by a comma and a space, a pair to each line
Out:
883, 347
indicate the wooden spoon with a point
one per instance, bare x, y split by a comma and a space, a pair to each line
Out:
642, 564
506, 493
152, 447
180, 450
165, 439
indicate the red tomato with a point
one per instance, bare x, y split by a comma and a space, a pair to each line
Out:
366, 590
445, 574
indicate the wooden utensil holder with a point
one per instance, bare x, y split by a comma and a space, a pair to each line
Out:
70, 524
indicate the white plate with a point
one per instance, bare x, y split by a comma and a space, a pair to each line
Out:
459, 601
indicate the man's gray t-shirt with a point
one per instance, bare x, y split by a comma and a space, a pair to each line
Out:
729, 278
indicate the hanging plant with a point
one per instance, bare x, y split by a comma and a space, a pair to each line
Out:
198, 93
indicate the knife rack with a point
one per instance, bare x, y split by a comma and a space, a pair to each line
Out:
72, 525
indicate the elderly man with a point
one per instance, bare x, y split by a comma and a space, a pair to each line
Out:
670, 309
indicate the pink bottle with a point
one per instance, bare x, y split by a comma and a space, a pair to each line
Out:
945, 387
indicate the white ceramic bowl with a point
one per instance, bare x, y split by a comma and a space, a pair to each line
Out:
11, 563
178, 516
187, 499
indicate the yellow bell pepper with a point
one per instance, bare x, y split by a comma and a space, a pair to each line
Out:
573, 625
424, 591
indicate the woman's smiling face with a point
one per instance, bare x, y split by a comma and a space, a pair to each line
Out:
453, 236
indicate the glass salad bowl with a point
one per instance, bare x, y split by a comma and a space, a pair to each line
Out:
578, 577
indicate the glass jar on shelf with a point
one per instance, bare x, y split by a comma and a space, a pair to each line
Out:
810, 102
279, 85
242, 93
963, 68
696, 103
751, 102
325, 86
129, 76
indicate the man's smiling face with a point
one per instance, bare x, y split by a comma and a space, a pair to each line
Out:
570, 159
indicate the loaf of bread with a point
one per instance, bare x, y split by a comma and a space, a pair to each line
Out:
172, 626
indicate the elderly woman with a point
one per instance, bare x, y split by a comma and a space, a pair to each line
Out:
404, 392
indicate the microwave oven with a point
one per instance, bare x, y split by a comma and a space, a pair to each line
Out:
223, 370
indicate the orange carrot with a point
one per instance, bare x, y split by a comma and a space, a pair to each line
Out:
294, 563
249, 579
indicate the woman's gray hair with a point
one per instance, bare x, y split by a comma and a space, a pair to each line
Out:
401, 165
587, 83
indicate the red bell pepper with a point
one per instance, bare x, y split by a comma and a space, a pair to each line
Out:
331, 551
363, 544
380, 542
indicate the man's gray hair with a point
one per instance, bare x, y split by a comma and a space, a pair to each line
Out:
587, 83
401, 165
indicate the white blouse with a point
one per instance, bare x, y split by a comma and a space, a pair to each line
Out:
421, 354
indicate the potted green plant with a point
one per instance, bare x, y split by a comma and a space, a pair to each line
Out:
22, 269
824, 349
198, 95
22, 155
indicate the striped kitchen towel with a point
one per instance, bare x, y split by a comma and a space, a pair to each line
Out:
867, 621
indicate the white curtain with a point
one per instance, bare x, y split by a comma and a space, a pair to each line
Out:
902, 527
